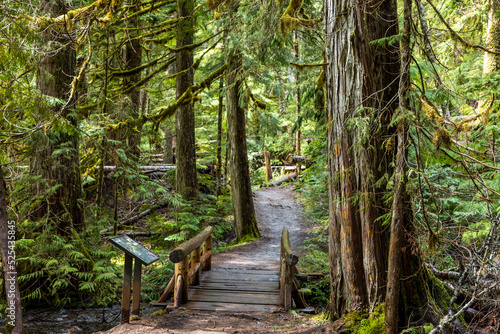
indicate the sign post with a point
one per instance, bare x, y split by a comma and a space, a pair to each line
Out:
133, 250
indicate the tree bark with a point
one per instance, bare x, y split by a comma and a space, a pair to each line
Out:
57, 158
185, 150
398, 204
132, 57
168, 154
218, 169
297, 96
492, 61
241, 190
14, 316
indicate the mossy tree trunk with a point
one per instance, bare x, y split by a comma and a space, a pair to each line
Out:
362, 95
399, 221
241, 190
359, 89
132, 58
492, 61
57, 156
185, 149
297, 97
14, 314
220, 115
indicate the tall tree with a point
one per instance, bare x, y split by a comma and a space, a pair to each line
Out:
57, 158
241, 190
362, 95
492, 60
359, 88
400, 200
132, 59
185, 149
14, 313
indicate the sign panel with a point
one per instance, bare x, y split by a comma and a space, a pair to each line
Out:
134, 249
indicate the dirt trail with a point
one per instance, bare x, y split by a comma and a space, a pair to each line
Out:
275, 209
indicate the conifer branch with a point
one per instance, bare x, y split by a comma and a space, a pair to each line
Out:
455, 36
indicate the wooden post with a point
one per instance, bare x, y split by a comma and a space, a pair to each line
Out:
195, 260
207, 248
136, 297
181, 268
127, 282
269, 172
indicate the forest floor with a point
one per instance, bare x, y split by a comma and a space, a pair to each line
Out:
276, 208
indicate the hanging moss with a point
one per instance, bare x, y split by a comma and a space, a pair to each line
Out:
432, 111
294, 16
213, 4
442, 137
320, 82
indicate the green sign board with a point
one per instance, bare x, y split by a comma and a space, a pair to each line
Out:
134, 249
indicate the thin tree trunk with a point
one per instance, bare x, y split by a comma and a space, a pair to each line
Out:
185, 150
241, 190
297, 96
132, 57
14, 315
398, 204
168, 152
218, 168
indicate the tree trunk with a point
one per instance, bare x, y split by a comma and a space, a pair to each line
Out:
168, 154
398, 204
132, 57
57, 159
218, 168
14, 315
269, 171
297, 97
185, 150
241, 190
362, 90
492, 61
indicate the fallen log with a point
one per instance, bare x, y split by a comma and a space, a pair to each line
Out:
134, 234
284, 179
444, 274
135, 218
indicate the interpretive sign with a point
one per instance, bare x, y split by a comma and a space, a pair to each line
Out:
134, 249
142, 255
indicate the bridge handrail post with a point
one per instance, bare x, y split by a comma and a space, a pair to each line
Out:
288, 284
185, 268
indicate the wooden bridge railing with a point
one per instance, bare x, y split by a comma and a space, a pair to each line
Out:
289, 287
188, 268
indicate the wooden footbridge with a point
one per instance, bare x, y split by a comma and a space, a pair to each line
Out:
196, 285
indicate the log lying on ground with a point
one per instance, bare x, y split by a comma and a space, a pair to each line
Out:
153, 168
444, 274
284, 179
293, 159
133, 219
134, 234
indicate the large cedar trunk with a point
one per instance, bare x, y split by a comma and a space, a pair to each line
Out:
361, 85
185, 149
241, 190
361, 90
57, 158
